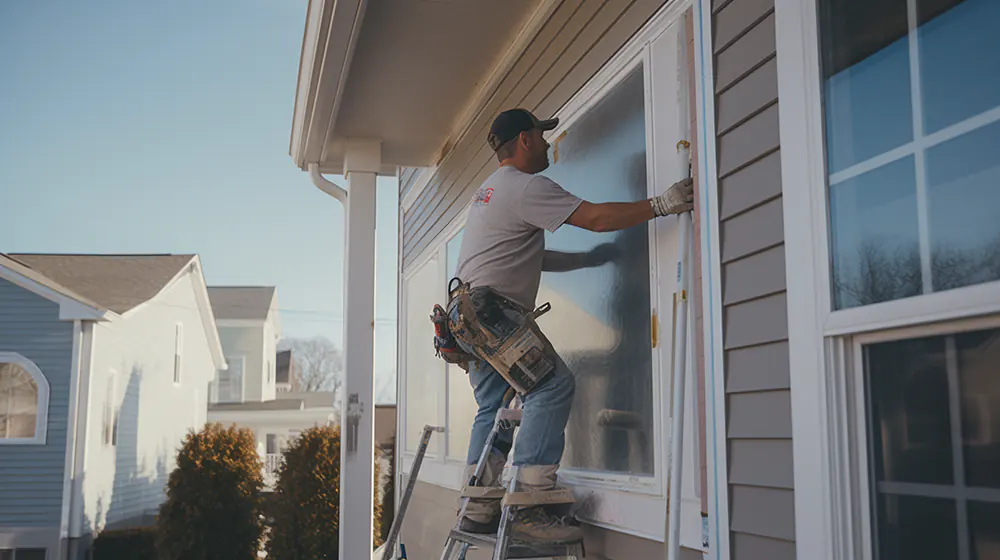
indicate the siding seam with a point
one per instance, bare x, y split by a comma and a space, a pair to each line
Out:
743, 33
750, 162
753, 253
749, 71
720, 7
755, 297
751, 115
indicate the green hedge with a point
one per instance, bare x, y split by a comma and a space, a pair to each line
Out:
213, 507
304, 510
126, 544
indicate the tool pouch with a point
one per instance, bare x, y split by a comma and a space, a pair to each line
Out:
445, 345
503, 333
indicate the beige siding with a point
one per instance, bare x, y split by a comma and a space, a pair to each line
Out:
755, 311
579, 38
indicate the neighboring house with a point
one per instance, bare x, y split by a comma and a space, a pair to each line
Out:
105, 362
846, 294
249, 327
284, 375
277, 421
250, 392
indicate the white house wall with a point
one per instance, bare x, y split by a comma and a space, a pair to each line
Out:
121, 483
248, 342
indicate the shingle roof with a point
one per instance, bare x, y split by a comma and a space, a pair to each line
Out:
241, 302
115, 282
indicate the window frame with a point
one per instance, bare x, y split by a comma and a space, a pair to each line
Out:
178, 353
832, 510
629, 504
42, 410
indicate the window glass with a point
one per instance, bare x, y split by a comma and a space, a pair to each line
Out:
934, 436
912, 115
599, 322
462, 405
963, 194
423, 369
959, 60
30, 554
875, 247
18, 402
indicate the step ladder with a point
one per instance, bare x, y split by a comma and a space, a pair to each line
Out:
504, 547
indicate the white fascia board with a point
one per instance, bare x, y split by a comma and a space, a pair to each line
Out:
341, 22
70, 308
207, 317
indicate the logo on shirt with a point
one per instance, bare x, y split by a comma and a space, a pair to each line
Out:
483, 196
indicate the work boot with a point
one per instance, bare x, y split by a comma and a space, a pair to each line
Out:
540, 524
483, 515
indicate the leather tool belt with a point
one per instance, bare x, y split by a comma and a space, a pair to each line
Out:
503, 333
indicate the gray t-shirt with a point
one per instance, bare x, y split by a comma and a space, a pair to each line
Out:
504, 241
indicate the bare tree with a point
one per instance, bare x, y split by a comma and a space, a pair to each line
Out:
318, 363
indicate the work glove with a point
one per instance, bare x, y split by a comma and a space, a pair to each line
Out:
679, 198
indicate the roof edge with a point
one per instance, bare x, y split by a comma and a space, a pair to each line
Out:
72, 306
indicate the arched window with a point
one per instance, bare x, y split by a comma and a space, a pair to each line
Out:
24, 401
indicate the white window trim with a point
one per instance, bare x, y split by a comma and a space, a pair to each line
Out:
820, 342
42, 415
716, 443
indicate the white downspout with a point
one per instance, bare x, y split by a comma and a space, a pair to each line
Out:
327, 186
69, 466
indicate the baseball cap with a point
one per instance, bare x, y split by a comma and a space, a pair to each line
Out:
512, 122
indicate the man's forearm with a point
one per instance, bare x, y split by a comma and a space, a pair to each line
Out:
615, 216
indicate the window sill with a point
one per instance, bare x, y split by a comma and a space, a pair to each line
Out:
23, 441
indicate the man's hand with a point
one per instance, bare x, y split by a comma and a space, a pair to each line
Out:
678, 199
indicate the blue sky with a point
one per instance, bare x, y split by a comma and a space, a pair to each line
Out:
163, 127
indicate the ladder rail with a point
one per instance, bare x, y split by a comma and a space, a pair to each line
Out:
397, 523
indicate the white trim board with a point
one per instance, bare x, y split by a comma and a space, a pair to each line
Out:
711, 268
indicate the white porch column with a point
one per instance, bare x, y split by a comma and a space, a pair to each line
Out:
361, 164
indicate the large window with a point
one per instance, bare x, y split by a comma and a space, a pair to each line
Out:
907, 375
228, 386
423, 370
600, 319
24, 398
912, 111
462, 405
933, 426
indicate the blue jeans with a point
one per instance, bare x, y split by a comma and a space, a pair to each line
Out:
544, 416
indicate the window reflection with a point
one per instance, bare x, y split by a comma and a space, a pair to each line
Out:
912, 114
600, 318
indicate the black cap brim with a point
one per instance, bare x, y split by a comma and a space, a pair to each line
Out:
549, 124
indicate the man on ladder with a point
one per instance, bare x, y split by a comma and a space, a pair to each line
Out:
490, 314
